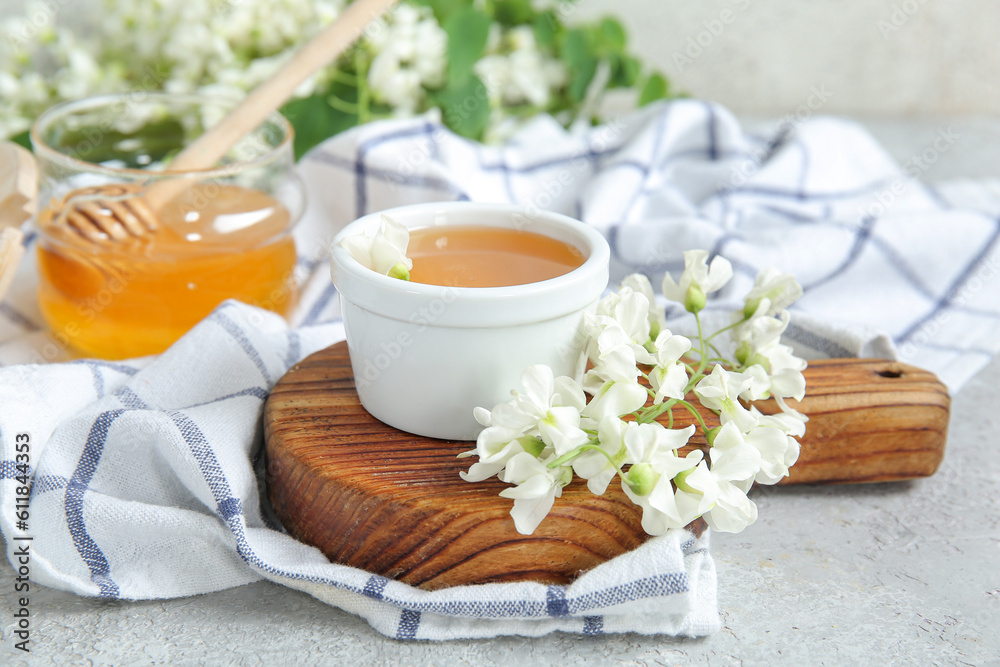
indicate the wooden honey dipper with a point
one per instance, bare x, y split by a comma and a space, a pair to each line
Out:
114, 213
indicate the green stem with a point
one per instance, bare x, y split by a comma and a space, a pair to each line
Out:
721, 360
697, 415
649, 415
724, 329
344, 78
702, 357
574, 453
582, 449
342, 105
364, 113
718, 352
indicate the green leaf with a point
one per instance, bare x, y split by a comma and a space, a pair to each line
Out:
23, 139
513, 12
314, 120
624, 71
580, 62
612, 36
443, 9
546, 27
467, 31
655, 88
465, 107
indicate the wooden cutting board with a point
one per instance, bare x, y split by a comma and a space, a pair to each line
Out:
392, 503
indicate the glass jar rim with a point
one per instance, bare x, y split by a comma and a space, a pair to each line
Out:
53, 113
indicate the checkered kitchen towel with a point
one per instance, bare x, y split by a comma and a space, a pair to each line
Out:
143, 476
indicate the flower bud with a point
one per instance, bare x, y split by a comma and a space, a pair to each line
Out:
654, 331
743, 352
531, 444
751, 307
694, 300
681, 481
642, 478
399, 271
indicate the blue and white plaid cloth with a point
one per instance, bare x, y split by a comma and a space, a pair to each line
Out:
143, 472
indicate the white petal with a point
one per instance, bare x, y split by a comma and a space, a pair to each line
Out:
733, 512
616, 399
538, 383
389, 246
670, 348
671, 290
719, 274
560, 430
737, 463
569, 392
632, 313
480, 471
482, 416
360, 247
669, 382
789, 384
528, 513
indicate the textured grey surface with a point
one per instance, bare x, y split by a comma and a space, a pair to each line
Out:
881, 574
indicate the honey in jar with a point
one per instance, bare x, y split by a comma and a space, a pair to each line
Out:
133, 298
482, 256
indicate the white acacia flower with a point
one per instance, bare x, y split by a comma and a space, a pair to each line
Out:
410, 54
772, 292
759, 386
613, 382
522, 75
560, 429
698, 279
614, 360
543, 391
536, 491
597, 468
637, 282
778, 452
669, 377
760, 344
495, 446
652, 453
656, 445
791, 423
385, 252
721, 391
664, 507
627, 311
615, 399
546, 406
735, 463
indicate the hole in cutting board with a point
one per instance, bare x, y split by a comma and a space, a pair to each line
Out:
891, 371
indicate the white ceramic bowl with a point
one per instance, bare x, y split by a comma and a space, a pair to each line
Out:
424, 356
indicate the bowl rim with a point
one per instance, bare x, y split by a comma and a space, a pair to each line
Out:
596, 248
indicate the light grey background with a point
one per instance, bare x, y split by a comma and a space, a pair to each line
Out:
874, 56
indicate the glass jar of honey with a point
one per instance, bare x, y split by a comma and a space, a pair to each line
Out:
116, 292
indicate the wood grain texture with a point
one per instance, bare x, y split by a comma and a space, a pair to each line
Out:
392, 503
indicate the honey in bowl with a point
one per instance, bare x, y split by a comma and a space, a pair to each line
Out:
481, 256
135, 298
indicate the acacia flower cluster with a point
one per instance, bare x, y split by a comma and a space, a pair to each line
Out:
487, 66
604, 423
